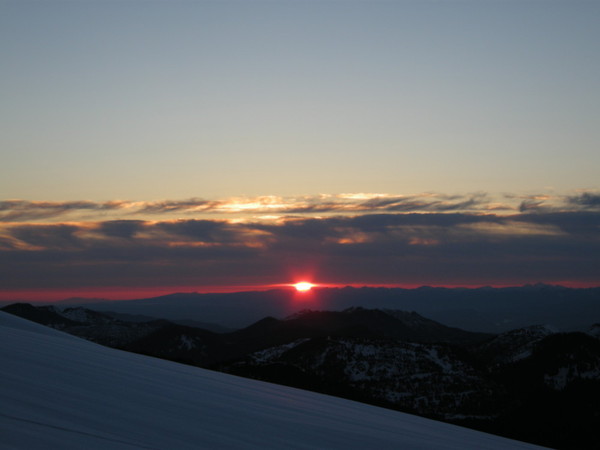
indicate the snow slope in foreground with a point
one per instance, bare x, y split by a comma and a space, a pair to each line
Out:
58, 391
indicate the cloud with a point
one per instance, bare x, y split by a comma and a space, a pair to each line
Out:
21, 210
426, 248
121, 228
276, 207
191, 205
199, 230
60, 236
530, 205
586, 199
583, 201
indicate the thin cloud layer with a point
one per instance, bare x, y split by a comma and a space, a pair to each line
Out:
275, 207
21, 210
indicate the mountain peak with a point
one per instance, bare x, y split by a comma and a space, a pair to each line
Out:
300, 314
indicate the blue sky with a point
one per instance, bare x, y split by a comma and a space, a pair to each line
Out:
147, 100
297, 103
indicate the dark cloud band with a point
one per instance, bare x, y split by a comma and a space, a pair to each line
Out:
428, 248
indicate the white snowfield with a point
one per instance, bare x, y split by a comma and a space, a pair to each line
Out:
61, 392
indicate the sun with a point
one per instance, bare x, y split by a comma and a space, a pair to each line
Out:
303, 286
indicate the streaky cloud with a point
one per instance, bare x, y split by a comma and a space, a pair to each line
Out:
197, 205
324, 204
21, 210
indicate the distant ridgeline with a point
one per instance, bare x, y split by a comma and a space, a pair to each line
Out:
517, 384
489, 310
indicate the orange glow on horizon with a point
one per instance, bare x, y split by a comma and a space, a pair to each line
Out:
129, 293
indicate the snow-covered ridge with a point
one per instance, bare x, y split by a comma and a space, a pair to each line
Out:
83, 315
270, 354
594, 330
564, 375
515, 345
58, 391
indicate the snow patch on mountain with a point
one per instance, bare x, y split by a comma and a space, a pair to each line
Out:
426, 378
516, 345
594, 330
272, 353
187, 342
567, 374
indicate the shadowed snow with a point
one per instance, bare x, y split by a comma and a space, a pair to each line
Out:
58, 391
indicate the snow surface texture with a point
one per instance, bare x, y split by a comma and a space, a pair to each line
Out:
59, 391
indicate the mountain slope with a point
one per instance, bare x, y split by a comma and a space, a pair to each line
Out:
59, 391
488, 309
85, 323
195, 346
428, 379
514, 345
359, 321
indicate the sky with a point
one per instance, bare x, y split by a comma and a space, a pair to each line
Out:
195, 145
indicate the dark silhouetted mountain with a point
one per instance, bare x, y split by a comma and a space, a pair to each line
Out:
435, 380
232, 310
553, 394
215, 328
557, 361
184, 344
60, 392
361, 322
45, 315
77, 301
514, 345
492, 310
526, 383
548, 395
203, 348
197, 346
88, 324
594, 330
124, 317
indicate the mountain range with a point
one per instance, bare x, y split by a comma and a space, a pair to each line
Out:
59, 391
486, 309
516, 383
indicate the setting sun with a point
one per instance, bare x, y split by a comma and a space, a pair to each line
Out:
303, 286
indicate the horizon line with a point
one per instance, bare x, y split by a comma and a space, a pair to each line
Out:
53, 295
